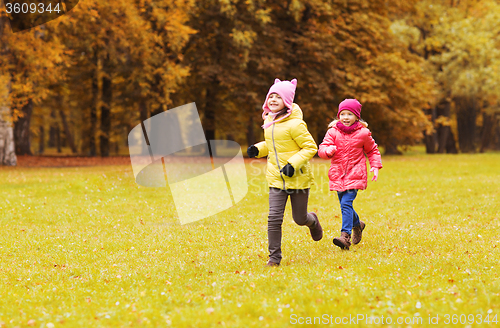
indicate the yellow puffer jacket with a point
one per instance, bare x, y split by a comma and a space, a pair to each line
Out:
289, 141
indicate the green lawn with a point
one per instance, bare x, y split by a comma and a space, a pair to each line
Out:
87, 247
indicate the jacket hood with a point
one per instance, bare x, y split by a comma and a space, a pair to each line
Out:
296, 112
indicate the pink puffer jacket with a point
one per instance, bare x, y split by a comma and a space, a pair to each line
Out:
348, 163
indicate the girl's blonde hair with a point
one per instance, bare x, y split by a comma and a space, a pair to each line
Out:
332, 123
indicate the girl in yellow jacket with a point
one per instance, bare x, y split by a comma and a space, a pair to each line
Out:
288, 146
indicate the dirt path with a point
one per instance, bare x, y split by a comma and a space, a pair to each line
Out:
59, 161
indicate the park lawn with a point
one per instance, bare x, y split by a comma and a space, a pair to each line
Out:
87, 247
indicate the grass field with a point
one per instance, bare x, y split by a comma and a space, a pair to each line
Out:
87, 247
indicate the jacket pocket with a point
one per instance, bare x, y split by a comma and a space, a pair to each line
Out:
359, 172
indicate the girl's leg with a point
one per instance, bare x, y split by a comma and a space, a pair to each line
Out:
355, 218
346, 199
299, 198
277, 203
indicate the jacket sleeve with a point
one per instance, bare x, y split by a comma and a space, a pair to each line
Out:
329, 140
305, 141
262, 147
371, 150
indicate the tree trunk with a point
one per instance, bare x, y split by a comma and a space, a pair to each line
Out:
250, 131
487, 135
7, 147
52, 130
58, 139
431, 139
392, 149
209, 114
144, 115
107, 95
466, 123
430, 145
22, 130
67, 132
41, 140
144, 112
92, 127
451, 147
444, 133
496, 143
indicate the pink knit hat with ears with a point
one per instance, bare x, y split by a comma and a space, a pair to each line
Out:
351, 105
286, 90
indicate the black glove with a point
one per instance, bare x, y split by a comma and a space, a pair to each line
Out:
288, 170
252, 151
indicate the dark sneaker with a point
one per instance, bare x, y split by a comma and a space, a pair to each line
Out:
357, 232
316, 230
344, 241
272, 264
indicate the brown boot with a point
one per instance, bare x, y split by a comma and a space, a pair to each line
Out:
344, 241
272, 264
357, 232
316, 229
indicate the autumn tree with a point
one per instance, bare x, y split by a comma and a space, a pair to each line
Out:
459, 42
7, 146
340, 50
335, 49
218, 57
124, 63
33, 63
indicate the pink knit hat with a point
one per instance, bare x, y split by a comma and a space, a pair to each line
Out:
351, 105
286, 90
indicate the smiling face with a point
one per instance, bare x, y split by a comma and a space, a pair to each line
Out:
347, 117
275, 103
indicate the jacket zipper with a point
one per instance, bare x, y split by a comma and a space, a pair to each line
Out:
348, 161
277, 160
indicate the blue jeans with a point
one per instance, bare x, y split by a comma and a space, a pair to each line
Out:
350, 218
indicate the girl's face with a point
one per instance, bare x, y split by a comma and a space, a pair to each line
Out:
347, 117
275, 103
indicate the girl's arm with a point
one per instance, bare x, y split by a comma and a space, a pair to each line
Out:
371, 150
305, 141
326, 147
262, 147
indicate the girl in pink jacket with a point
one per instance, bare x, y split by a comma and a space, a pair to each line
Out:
346, 143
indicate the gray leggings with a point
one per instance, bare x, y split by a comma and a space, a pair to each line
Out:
277, 203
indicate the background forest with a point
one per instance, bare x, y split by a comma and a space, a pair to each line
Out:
425, 71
